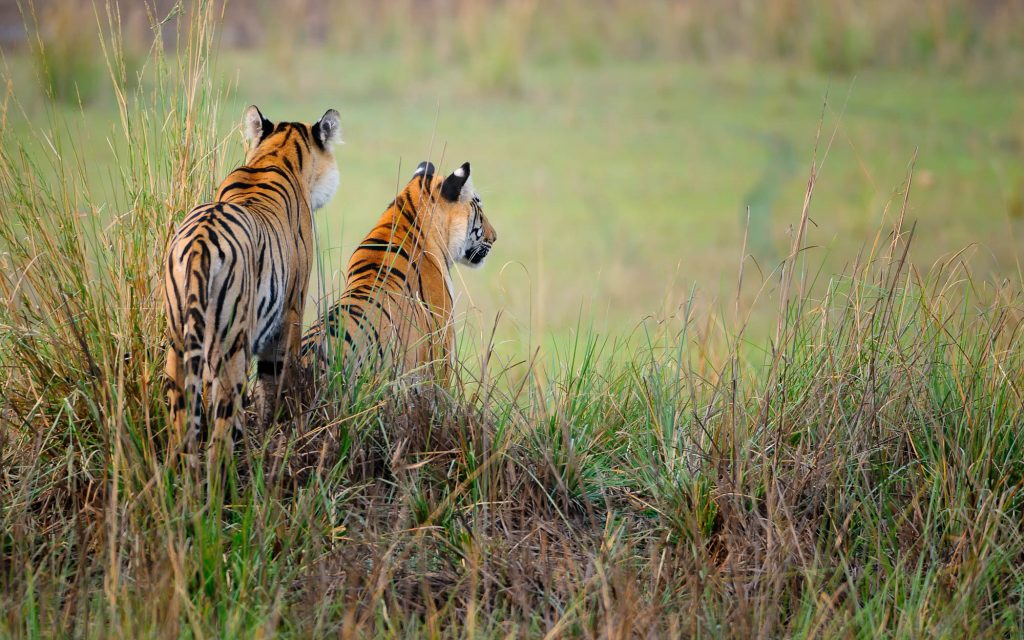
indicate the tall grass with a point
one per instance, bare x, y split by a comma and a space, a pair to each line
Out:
859, 475
63, 38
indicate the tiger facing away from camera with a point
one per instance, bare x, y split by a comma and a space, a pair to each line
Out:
236, 273
396, 312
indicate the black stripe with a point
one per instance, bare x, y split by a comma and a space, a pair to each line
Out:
174, 281
357, 314
234, 314
259, 260
269, 367
408, 210
219, 308
233, 186
374, 244
288, 200
266, 169
369, 266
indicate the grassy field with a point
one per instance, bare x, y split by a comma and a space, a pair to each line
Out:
617, 188
835, 452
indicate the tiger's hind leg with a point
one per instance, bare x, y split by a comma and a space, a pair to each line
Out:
278, 369
174, 389
226, 400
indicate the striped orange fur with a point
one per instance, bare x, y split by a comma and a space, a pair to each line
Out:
237, 270
397, 307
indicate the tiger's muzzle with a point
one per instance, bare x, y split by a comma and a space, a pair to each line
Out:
476, 255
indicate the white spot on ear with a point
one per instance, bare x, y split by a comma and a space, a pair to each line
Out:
459, 172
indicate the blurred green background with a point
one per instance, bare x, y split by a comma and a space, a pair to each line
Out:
617, 144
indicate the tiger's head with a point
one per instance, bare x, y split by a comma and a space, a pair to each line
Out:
304, 149
468, 234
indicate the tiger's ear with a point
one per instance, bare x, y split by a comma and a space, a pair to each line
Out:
327, 130
255, 127
453, 184
424, 169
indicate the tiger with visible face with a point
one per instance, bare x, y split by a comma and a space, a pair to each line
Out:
237, 270
397, 307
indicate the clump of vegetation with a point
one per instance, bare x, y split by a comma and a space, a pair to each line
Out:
66, 52
839, 42
68, 48
857, 475
494, 56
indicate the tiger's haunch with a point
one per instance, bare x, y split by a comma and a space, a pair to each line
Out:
237, 269
397, 307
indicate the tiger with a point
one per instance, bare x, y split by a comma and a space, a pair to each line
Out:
396, 312
236, 273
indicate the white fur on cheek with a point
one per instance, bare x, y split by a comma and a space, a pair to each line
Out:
324, 188
457, 239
